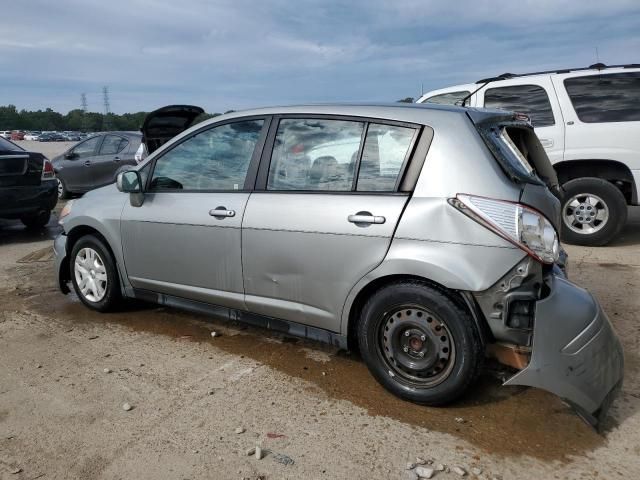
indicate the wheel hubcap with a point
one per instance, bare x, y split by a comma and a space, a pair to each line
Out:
60, 188
91, 274
416, 346
585, 213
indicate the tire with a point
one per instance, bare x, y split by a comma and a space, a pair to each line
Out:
63, 193
593, 212
91, 261
438, 328
36, 220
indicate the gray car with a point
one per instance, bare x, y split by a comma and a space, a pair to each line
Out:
95, 161
423, 236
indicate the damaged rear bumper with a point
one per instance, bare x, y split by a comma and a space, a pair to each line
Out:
576, 353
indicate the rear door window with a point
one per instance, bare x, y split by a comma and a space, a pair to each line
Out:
112, 144
529, 99
315, 154
450, 98
611, 97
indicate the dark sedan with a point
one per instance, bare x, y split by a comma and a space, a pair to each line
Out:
95, 162
27, 185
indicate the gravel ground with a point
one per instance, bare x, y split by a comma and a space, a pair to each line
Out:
67, 372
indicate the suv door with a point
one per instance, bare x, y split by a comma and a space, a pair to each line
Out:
323, 214
185, 238
74, 165
107, 160
536, 99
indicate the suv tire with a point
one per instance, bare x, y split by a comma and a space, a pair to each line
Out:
593, 212
419, 343
94, 275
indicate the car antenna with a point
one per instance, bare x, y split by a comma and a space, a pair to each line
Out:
484, 82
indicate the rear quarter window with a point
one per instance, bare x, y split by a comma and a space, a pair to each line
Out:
605, 98
450, 98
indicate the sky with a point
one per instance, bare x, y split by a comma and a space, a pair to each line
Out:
237, 54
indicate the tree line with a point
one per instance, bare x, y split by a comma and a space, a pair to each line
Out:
80, 121
76, 120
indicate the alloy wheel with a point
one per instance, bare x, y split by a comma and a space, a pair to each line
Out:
585, 213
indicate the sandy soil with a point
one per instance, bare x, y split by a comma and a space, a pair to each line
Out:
48, 149
61, 414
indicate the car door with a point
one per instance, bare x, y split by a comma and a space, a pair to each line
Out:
539, 101
73, 167
184, 240
323, 214
109, 157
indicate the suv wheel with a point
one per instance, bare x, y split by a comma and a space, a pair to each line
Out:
94, 275
419, 344
36, 220
593, 212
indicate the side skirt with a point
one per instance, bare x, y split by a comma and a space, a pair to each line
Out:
283, 326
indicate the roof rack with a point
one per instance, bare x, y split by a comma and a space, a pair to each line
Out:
595, 66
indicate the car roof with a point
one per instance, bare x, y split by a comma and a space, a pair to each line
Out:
398, 111
505, 78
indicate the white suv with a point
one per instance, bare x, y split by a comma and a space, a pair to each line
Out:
588, 121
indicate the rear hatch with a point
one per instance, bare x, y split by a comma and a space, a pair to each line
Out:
19, 167
515, 146
163, 124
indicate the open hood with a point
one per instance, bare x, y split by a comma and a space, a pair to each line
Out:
163, 124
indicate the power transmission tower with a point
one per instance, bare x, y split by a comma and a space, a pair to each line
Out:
106, 124
85, 120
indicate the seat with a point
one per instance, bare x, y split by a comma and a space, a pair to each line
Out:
324, 172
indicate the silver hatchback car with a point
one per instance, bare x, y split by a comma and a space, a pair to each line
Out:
424, 236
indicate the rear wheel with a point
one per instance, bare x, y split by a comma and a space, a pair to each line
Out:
593, 212
63, 193
94, 274
36, 220
418, 343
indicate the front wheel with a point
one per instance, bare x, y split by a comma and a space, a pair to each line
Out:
593, 212
94, 274
419, 343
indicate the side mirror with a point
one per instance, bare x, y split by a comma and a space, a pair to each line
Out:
129, 182
69, 155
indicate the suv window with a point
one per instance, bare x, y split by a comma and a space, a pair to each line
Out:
112, 144
449, 98
612, 97
214, 159
529, 99
315, 154
86, 148
385, 150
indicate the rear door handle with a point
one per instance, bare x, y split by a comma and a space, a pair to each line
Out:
116, 159
87, 163
222, 212
546, 142
363, 218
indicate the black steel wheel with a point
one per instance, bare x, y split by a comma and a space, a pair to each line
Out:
419, 342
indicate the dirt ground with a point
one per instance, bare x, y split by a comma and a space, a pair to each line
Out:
66, 372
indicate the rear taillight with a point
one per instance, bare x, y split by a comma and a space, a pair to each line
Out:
47, 171
524, 227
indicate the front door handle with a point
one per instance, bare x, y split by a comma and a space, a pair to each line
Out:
87, 163
222, 212
366, 218
116, 159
